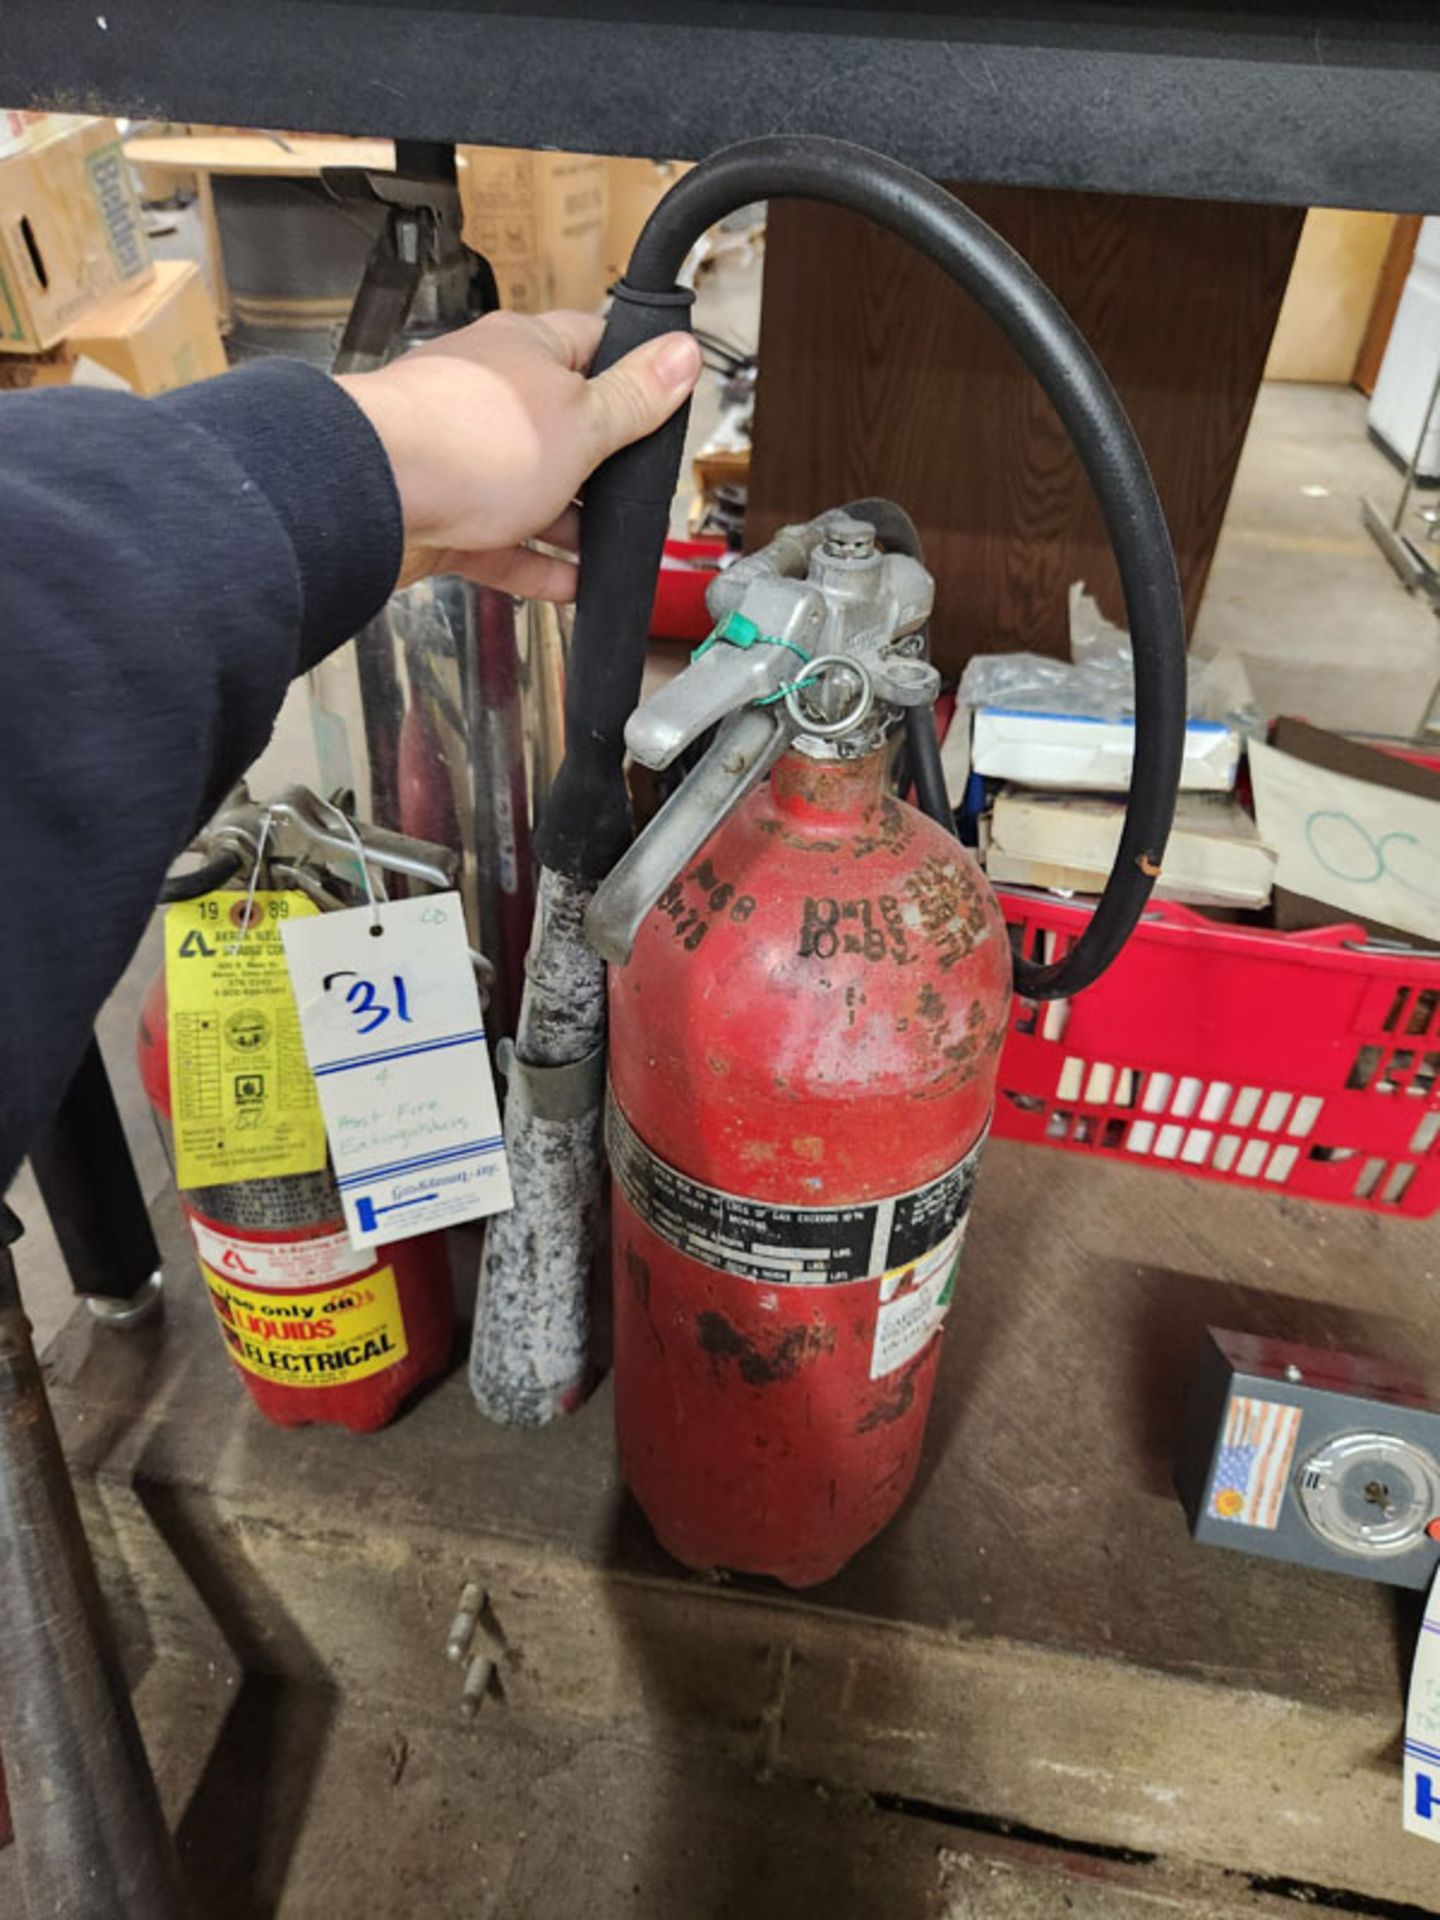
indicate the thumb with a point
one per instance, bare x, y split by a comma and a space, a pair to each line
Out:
640, 392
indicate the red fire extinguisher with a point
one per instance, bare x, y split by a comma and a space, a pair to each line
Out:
320, 1331
804, 1034
798, 1106
802, 1061
804, 1030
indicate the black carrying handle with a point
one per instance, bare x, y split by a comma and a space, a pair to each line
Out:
627, 504
586, 826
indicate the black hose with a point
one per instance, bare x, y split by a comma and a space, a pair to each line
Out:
627, 504
200, 880
925, 768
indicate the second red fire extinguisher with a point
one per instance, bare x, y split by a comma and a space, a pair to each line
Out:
319, 1330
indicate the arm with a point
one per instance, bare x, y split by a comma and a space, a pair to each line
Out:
168, 566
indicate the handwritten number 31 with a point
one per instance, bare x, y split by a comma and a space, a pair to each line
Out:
366, 1003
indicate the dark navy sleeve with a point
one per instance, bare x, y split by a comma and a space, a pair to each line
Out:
166, 568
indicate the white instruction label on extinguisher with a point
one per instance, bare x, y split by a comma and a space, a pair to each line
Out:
280, 1265
914, 1300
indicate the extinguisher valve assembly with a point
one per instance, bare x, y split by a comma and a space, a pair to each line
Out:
299, 836
817, 646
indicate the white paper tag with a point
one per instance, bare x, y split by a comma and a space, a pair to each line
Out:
394, 1037
1422, 1727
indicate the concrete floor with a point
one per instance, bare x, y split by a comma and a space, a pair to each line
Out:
1300, 589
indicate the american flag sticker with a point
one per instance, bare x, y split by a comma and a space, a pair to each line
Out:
1254, 1463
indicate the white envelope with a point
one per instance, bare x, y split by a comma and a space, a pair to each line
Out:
1081, 754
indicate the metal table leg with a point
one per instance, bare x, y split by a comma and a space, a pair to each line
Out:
90, 1839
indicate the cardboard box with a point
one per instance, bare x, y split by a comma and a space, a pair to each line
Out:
1331, 290
1213, 858
14, 122
635, 189
20, 371
162, 335
539, 219
70, 228
1357, 831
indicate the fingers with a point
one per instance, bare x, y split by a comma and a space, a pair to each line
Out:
564, 532
576, 336
639, 393
530, 576
570, 339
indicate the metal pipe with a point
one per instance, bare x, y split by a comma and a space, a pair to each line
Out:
90, 1839
1412, 465
1387, 531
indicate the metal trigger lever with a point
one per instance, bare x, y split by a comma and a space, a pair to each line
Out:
743, 751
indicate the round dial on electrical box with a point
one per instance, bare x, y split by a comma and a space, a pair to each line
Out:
1370, 1493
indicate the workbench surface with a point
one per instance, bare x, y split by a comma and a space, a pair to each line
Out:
1036, 1637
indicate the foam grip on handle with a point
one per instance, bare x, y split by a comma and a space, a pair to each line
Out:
586, 823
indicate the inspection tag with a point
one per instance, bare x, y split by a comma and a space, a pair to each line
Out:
391, 1018
1422, 1726
242, 1102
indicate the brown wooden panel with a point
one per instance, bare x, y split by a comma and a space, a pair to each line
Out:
1393, 274
879, 377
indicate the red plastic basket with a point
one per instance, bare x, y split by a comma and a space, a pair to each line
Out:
1305, 1063
686, 570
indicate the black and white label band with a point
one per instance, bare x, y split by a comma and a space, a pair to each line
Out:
786, 1246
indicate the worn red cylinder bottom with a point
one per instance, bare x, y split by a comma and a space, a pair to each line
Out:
757, 1447
347, 1353
803, 1052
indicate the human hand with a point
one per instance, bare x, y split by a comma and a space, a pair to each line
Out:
492, 431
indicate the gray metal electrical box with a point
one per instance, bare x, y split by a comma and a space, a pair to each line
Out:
1323, 1459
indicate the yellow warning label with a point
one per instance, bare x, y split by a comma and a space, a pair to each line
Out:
242, 1096
315, 1340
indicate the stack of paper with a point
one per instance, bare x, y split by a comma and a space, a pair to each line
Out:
1215, 856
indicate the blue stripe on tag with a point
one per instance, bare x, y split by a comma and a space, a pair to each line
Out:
472, 1150
468, 1150
398, 1053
